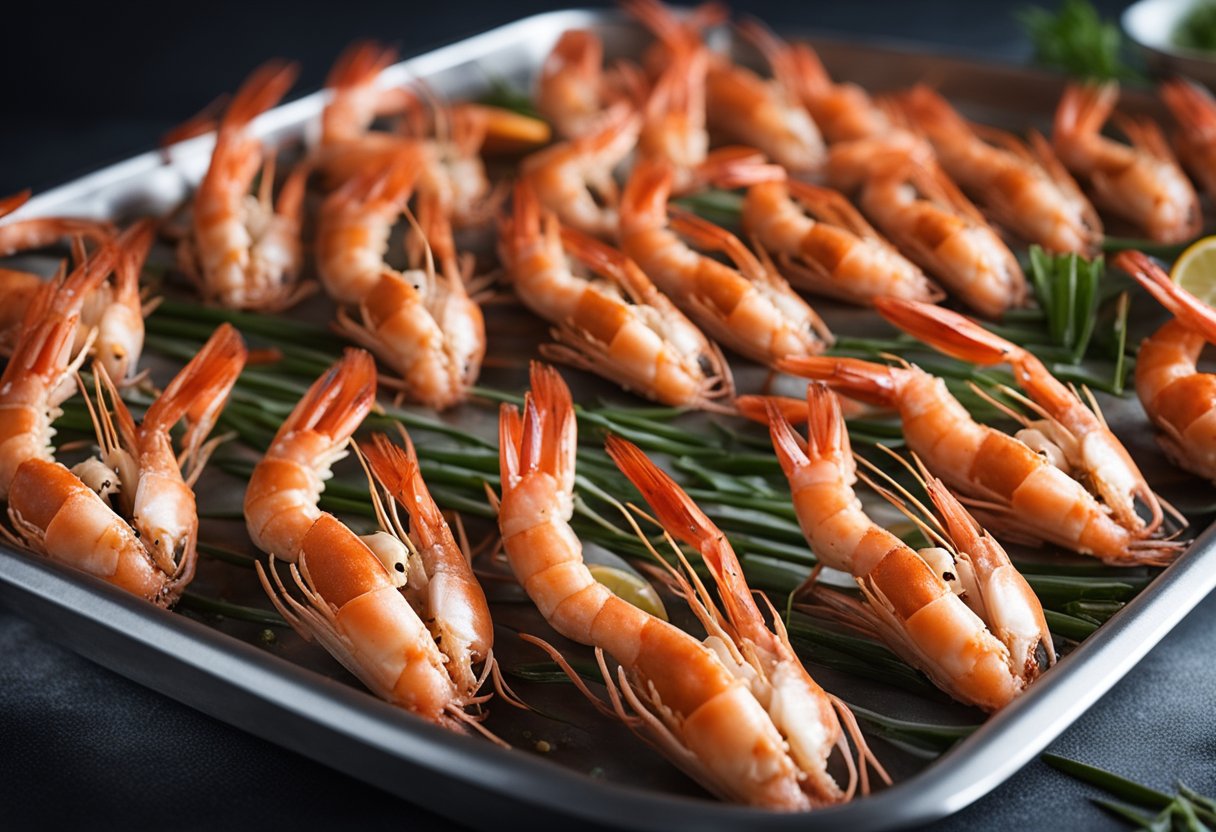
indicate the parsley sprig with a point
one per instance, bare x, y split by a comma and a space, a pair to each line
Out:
1077, 40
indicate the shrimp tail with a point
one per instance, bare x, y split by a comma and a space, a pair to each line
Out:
675, 510
683, 519
523, 224
396, 468
43, 231
12, 202
386, 182
1193, 312
261, 91
646, 192
199, 391
134, 243
510, 437
926, 107
827, 437
545, 437
434, 230
49, 326
871, 383
757, 408
826, 433
1191, 105
947, 331
676, 33
199, 124
548, 441
736, 166
1084, 109
785, 441
337, 403
359, 64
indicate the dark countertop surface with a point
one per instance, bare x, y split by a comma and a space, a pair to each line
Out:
83, 746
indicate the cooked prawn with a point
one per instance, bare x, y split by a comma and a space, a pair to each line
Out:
823, 245
1180, 400
422, 323
747, 307
1069, 429
354, 224
1023, 188
574, 178
129, 515
355, 98
244, 252
1141, 183
38, 376
1014, 490
352, 606
844, 112
1195, 111
116, 308
801, 710
400, 610
281, 497
574, 89
111, 322
674, 127
38, 232
615, 322
569, 92
675, 33
18, 288
925, 215
451, 139
699, 710
440, 583
961, 612
764, 115
17, 291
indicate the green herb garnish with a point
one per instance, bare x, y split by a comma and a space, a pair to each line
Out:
1198, 28
1077, 40
1184, 811
503, 94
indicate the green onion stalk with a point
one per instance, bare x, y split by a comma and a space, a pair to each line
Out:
1185, 810
728, 469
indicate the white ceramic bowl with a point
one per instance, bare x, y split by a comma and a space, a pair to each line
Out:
1150, 24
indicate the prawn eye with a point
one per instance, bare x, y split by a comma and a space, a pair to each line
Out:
1040, 655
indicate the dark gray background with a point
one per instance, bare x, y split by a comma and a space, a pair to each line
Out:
81, 746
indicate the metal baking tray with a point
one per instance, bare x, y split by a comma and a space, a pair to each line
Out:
595, 773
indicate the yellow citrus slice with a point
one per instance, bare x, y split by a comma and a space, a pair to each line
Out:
629, 587
1195, 270
508, 131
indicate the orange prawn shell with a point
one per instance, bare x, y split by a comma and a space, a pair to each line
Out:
67, 521
390, 648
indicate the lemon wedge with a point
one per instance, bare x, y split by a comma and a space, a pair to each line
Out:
1195, 270
629, 588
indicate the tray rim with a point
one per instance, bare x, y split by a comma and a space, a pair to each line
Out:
50, 594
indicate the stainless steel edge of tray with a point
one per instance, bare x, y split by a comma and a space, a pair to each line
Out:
466, 778
478, 783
